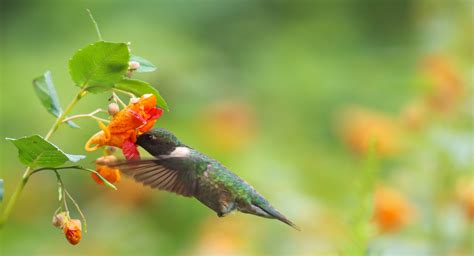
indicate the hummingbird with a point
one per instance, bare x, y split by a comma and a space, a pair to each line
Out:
182, 170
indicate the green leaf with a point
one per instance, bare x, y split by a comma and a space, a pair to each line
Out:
46, 92
145, 65
99, 66
1, 190
139, 88
35, 151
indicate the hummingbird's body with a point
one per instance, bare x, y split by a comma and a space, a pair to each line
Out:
185, 171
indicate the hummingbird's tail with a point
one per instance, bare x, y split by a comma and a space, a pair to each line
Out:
273, 213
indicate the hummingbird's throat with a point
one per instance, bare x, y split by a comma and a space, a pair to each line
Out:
180, 152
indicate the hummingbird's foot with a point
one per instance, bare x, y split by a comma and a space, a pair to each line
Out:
226, 208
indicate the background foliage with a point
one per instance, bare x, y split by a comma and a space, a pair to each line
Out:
261, 86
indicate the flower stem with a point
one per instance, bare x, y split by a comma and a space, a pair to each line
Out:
83, 217
9, 206
90, 115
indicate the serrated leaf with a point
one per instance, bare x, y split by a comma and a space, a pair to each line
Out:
34, 151
139, 88
145, 65
44, 89
1, 190
100, 64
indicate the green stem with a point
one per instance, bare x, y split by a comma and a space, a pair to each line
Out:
26, 174
76, 167
14, 197
63, 115
95, 24
83, 217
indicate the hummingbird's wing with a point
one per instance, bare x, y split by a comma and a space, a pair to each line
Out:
168, 174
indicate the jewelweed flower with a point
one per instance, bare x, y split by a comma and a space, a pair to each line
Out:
73, 231
360, 127
112, 175
391, 210
137, 118
414, 115
465, 196
446, 87
229, 125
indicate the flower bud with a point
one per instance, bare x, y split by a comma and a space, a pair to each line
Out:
133, 65
134, 100
113, 109
60, 219
73, 231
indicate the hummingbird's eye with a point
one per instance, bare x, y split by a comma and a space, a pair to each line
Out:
151, 137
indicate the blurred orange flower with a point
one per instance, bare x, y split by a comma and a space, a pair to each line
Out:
465, 195
414, 116
446, 86
137, 118
231, 125
221, 238
112, 175
391, 210
359, 127
73, 231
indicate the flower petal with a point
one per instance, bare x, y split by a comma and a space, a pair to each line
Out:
130, 150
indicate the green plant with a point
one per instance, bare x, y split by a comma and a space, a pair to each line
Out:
100, 67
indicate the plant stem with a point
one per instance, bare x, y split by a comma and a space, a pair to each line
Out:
117, 99
27, 174
14, 197
360, 232
90, 115
95, 24
83, 217
63, 115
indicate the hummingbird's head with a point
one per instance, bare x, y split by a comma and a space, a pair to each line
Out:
158, 141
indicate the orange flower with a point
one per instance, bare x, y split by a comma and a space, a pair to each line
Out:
446, 86
137, 118
231, 125
391, 210
360, 126
465, 195
112, 175
73, 231
414, 116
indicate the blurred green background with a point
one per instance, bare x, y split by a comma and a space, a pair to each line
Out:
262, 86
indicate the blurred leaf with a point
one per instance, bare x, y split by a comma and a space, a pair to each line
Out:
145, 65
35, 151
46, 92
139, 88
99, 66
1, 190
